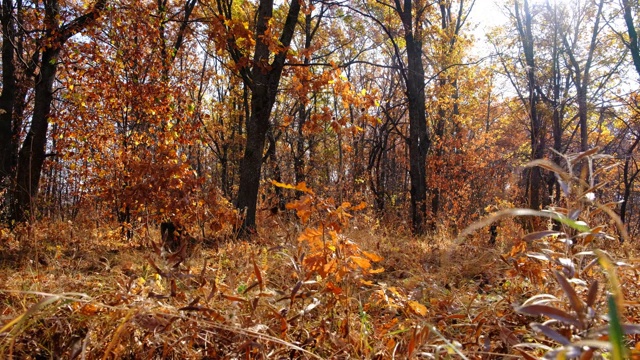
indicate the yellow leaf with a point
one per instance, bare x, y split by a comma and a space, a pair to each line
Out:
376, 271
417, 308
303, 187
300, 187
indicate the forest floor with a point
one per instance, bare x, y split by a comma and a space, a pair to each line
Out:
76, 292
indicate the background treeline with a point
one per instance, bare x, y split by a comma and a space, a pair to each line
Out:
147, 111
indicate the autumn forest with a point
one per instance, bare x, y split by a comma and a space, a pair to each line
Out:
204, 179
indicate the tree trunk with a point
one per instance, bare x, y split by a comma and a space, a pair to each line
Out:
632, 44
524, 24
32, 153
419, 140
8, 97
265, 79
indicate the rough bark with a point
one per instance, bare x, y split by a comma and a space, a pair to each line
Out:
264, 81
524, 21
419, 140
8, 156
32, 152
632, 44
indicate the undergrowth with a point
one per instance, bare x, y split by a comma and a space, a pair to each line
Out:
330, 283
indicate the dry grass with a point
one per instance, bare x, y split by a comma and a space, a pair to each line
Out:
76, 292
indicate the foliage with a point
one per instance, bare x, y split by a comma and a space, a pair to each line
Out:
359, 137
568, 252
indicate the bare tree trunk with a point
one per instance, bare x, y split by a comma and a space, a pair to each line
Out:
265, 79
524, 25
632, 44
419, 140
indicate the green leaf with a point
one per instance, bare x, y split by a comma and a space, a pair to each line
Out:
580, 226
616, 337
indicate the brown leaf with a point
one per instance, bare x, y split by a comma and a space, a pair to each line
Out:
593, 293
574, 300
550, 333
554, 313
256, 270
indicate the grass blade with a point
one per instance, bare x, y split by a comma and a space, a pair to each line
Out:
616, 337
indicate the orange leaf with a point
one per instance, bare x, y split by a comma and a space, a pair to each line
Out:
360, 206
361, 262
372, 256
256, 270
334, 289
303, 187
300, 187
89, 309
417, 308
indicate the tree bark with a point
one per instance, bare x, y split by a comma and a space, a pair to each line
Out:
265, 80
32, 152
8, 96
524, 24
419, 140
632, 44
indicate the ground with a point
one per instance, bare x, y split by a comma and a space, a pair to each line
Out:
73, 291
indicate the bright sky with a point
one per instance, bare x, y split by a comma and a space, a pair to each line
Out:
485, 15
489, 13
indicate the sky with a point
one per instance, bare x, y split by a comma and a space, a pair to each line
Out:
485, 15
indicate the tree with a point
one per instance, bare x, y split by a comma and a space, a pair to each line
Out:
581, 71
631, 170
9, 93
41, 66
262, 77
409, 62
447, 55
632, 42
524, 26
